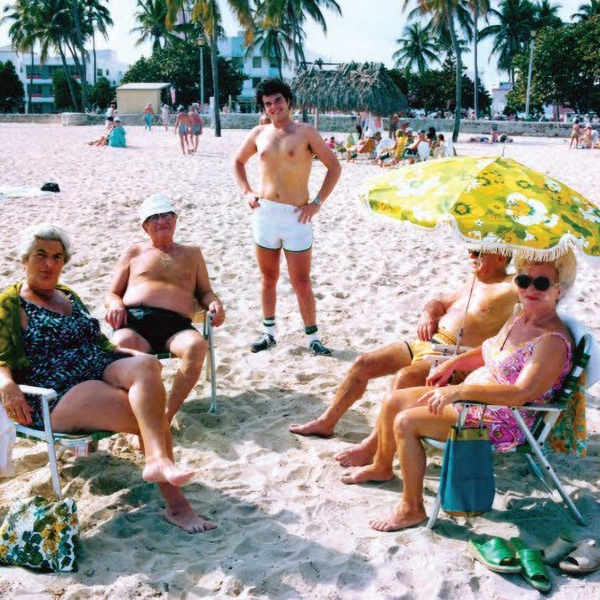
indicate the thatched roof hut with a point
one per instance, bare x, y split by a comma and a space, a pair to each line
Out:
352, 86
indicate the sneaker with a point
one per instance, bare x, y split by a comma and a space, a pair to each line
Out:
262, 343
317, 348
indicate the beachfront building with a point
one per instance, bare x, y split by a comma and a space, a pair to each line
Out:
42, 91
499, 93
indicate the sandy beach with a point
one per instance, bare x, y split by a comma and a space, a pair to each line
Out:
288, 527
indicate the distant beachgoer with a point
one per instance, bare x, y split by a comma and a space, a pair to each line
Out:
182, 127
116, 136
282, 211
165, 116
264, 120
440, 150
148, 116
575, 133
196, 130
103, 140
111, 112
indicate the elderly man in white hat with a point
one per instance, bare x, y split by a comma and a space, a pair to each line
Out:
153, 293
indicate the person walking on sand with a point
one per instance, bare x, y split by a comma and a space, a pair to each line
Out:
196, 127
491, 303
282, 211
183, 123
165, 116
111, 113
148, 116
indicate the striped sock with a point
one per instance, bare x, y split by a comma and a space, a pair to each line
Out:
269, 326
311, 333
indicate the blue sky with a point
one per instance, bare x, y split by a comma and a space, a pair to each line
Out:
367, 31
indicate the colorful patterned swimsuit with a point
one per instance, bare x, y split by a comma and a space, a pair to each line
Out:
503, 366
62, 351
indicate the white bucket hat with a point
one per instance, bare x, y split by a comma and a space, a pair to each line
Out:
155, 205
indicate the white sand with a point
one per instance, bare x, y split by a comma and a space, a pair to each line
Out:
287, 526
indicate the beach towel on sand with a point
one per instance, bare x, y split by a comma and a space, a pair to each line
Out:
20, 191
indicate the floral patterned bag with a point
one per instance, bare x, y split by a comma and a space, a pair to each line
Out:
42, 534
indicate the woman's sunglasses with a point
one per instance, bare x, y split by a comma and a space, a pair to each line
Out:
541, 284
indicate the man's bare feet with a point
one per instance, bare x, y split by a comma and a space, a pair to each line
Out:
368, 473
317, 427
356, 456
400, 519
162, 470
183, 516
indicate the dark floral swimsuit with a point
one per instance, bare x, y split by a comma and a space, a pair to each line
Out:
62, 351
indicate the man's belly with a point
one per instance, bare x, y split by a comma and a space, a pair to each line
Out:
160, 295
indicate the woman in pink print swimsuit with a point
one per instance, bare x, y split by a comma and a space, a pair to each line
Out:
525, 363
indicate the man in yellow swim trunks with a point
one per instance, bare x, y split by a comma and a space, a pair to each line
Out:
492, 302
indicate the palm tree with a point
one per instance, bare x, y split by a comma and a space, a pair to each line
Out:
295, 13
546, 15
271, 38
96, 17
479, 8
78, 42
444, 14
54, 27
208, 12
22, 33
416, 48
586, 11
152, 16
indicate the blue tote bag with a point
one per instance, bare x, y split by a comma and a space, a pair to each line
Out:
467, 482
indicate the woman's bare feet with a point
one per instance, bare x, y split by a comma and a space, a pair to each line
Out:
356, 456
402, 518
368, 473
182, 515
317, 427
162, 470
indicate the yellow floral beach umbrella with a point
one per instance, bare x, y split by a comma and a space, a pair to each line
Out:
493, 203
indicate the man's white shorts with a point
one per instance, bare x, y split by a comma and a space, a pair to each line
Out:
276, 226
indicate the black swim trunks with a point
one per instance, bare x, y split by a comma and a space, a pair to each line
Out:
156, 325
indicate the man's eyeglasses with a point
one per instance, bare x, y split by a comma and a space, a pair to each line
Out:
155, 218
541, 284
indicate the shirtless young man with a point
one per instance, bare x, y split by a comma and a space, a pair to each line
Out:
282, 211
493, 300
152, 296
183, 124
196, 126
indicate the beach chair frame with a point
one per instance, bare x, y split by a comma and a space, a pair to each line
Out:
534, 449
200, 318
84, 443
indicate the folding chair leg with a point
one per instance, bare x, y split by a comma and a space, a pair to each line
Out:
435, 511
51, 448
210, 366
534, 468
544, 461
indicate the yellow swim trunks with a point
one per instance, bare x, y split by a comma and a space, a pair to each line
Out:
419, 350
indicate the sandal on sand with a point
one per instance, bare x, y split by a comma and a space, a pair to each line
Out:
533, 568
496, 555
557, 550
584, 559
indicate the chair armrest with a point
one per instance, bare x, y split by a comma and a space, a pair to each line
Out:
50, 394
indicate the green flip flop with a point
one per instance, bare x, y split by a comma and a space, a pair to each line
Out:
533, 568
495, 554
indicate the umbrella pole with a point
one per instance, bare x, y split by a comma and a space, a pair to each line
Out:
462, 325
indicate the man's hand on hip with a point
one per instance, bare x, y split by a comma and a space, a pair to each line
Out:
307, 212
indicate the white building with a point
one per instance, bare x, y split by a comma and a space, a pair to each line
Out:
499, 93
42, 91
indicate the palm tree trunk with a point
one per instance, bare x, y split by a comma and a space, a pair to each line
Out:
29, 99
94, 51
215, 73
475, 43
63, 59
79, 45
458, 100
